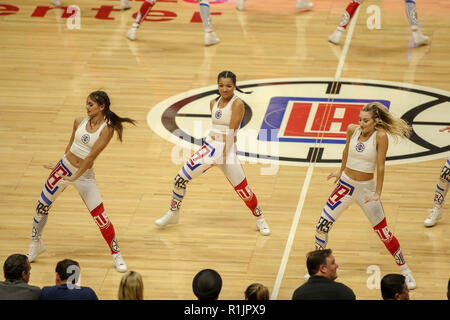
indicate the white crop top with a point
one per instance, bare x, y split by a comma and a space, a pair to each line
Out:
83, 140
221, 117
362, 156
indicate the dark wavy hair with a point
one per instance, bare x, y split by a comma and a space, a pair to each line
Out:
14, 265
113, 120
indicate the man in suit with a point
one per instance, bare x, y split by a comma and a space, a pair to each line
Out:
321, 284
17, 271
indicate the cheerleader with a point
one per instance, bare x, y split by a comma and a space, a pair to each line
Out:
365, 149
90, 136
219, 149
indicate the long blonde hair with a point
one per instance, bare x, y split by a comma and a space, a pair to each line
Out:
384, 119
131, 286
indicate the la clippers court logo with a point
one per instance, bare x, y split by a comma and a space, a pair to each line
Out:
296, 121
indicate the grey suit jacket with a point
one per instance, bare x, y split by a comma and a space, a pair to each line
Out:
18, 290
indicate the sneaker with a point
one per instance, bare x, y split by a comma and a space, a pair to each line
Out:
125, 4
409, 279
335, 37
419, 38
119, 263
211, 38
304, 4
240, 5
56, 2
435, 215
262, 226
36, 248
171, 217
131, 34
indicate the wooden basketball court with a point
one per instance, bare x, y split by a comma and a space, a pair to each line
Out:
47, 70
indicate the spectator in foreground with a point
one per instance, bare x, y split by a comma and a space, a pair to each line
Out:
321, 284
17, 271
67, 287
257, 291
207, 285
393, 287
131, 286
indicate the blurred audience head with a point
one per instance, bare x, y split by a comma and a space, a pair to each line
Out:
17, 267
207, 285
131, 286
393, 287
257, 291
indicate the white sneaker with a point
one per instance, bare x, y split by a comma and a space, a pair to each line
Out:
125, 4
211, 38
262, 226
36, 248
435, 215
131, 34
335, 37
56, 2
171, 217
304, 4
419, 38
119, 263
409, 279
240, 5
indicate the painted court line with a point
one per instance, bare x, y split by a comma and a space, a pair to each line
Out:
309, 173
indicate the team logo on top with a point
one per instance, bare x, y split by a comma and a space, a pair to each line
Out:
85, 138
360, 147
218, 114
297, 121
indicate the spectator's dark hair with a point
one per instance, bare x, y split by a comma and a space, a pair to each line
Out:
113, 120
257, 291
207, 285
315, 259
64, 271
392, 284
14, 265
